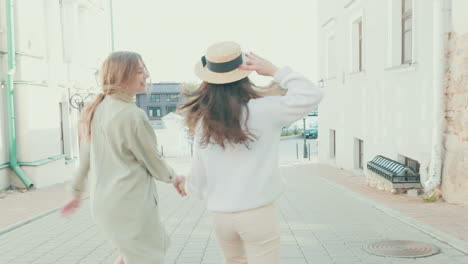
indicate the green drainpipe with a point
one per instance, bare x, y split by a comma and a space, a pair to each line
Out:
15, 166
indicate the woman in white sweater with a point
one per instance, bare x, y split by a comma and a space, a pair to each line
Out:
236, 135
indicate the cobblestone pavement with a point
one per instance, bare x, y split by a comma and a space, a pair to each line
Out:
320, 223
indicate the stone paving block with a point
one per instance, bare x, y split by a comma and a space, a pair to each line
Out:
328, 227
292, 253
293, 261
346, 260
320, 259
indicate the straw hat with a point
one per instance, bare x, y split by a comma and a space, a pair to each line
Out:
221, 62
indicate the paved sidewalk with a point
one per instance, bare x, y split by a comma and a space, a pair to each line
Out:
321, 222
18, 206
449, 218
21, 206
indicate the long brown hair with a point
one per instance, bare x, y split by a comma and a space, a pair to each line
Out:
117, 70
219, 108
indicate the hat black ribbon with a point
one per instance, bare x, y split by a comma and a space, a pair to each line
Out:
223, 66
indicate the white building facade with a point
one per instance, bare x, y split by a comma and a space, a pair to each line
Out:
383, 65
58, 47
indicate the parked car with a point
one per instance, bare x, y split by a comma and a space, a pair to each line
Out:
311, 133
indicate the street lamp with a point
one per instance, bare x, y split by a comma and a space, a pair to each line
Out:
305, 144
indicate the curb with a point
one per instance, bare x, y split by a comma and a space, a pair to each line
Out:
441, 236
30, 219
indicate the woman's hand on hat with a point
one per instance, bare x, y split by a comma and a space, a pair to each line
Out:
259, 64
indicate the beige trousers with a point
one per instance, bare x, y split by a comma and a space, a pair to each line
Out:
250, 236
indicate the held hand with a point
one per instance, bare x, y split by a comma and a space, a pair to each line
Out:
179, 185
259, 64
71, 207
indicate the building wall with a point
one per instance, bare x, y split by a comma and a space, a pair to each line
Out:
57, 53
4, 173
387, 105
4, 178
143, 103
173, 139
455, 176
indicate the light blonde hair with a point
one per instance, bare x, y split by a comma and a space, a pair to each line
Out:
116, 72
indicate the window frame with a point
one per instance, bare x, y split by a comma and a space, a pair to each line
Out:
154, 98
361, 154
406, 15
172, 97
154, 110
357, 44
409, 162
332, 144
171, 106
330, 56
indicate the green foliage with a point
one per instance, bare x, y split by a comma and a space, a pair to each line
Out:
430, 199
293, 132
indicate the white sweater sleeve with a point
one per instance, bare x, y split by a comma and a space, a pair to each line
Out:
301, 98
196, 179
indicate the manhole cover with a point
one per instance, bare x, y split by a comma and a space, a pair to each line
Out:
402, 249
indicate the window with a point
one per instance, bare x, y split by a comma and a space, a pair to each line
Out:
400, 31
154, 98
357, 45
172, 97
406, 31
331, 59
359, 153
412, 164
65, 130
332, 143
154, 111
62, 141
170, 109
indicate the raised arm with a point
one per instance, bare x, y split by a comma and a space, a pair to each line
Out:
300, 99
144, 147
77, 185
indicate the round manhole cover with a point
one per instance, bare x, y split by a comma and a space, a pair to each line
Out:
402, 249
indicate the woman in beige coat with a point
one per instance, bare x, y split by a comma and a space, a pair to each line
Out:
118, 154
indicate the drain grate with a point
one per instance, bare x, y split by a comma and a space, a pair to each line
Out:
402, 249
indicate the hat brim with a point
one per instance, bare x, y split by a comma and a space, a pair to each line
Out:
219, 78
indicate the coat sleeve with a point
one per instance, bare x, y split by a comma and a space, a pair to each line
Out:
77, 185
196, 179
144, 147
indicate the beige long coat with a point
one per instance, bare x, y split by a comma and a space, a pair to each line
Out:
122, 162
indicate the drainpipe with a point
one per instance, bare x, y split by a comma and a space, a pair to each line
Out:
439, 40
14, 165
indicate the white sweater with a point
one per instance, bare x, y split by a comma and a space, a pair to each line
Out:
237, 179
